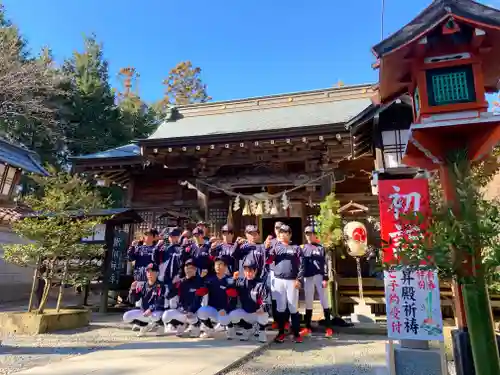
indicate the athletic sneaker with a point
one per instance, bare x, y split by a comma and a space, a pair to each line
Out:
262, 337
207, 333
245, 334
329, 332
305, 332
280, 338
136, 327
195, 332
169, 329
181, 328
298, 339
219, 328
274, 326
146, 329
231, 333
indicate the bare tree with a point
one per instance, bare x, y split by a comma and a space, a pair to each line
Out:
29, 88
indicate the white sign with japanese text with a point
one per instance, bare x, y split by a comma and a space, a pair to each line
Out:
413, 305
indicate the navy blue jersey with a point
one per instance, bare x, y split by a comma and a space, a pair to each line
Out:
225, 250
274, 242
219, 295
313, 261
190, 292
168, 257
152, 297
201, 256
251, 253
142, 255
286, 260
253, 294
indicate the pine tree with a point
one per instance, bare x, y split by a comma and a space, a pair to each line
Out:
93, 119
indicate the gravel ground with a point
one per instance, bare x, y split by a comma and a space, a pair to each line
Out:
342, 355
22, 351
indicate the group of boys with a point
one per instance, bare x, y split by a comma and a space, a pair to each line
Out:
198, 285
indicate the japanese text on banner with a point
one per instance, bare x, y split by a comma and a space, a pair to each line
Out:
413, 305
398, 198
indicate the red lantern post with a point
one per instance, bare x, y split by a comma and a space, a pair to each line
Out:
447, 60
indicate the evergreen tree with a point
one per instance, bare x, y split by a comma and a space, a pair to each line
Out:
138, 119
93, 119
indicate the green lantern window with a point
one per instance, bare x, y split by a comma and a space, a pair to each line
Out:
416, 101
451, 85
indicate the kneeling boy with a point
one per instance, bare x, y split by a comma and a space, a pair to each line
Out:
222, 299
190, 291
150, 295
253, 296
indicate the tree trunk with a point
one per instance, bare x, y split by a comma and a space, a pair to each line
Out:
33, 285
45, 295
61, 287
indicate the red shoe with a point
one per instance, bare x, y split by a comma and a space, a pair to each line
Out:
329, 332
298, 339
287, 326
280, 339
305, 332
274, 326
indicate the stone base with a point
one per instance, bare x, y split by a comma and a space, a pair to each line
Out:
416, 361
362, 314
51, 321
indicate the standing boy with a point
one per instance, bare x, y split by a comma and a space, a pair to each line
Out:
142, 255
249, 250
286, 258
225, 247
314, 275
151, 295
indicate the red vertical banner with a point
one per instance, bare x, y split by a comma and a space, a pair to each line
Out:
397, 199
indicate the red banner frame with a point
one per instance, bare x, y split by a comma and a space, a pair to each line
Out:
398, 198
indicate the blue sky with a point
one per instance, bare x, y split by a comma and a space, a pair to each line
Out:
245, 48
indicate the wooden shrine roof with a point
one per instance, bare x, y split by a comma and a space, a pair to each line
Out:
262, 114
432, 16
128, 151
20, 157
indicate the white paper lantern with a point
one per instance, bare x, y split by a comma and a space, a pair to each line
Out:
356, 238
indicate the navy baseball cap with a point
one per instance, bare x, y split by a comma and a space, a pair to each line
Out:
285, 228
152, 267
189, 262
309, 229
250, 263
222, 258
227, 228
197, 231
175, 232
251, 229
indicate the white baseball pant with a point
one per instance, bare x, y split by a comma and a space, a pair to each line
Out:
210, 313
270, 282
311, 283
286, 294
174, 314
252, 318
137, 314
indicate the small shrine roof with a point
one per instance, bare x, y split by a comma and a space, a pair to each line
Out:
130, 150
293, 110
20, 157
431, 16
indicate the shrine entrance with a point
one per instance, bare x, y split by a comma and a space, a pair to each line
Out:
295, 224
